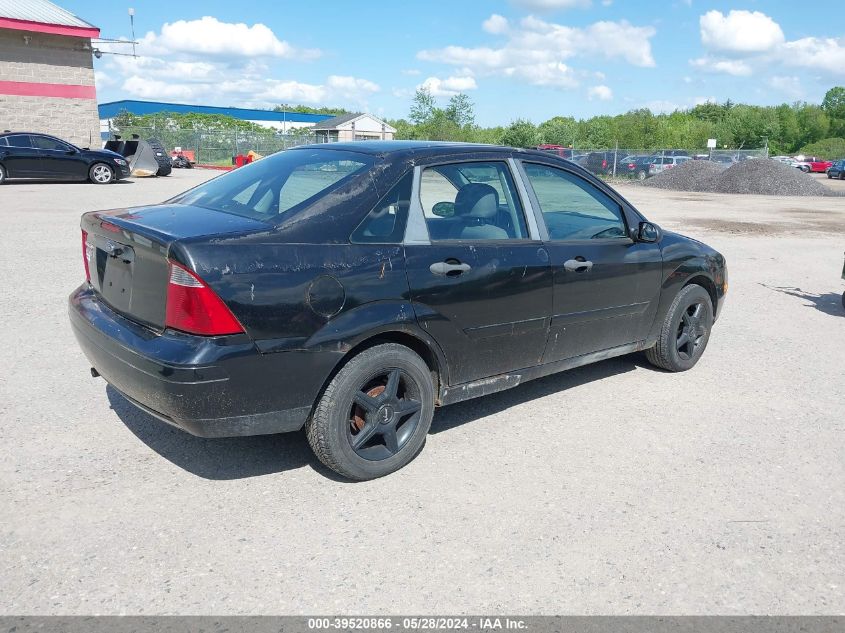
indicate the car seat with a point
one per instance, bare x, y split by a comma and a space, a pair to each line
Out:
477, 208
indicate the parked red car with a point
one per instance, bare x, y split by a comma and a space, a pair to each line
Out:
557, 150
814, 164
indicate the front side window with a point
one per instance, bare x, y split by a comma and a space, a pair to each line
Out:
471, 201
385, 224
274, 186
45, 142
3, 142
573, 208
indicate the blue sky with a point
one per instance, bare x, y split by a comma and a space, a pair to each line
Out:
515, 58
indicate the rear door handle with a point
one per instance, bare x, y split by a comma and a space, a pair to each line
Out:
448, 269
577, 265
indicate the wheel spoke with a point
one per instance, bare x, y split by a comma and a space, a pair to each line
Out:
683, 340
392, 388
368, 403
390, 440
364, 435
407, 407
697, 311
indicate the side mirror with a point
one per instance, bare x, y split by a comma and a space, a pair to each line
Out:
444, 209
648, 232
71, 152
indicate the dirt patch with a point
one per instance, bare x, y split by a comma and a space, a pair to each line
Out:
804, 226
732, 227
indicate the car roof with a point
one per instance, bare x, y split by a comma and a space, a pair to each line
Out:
393, 148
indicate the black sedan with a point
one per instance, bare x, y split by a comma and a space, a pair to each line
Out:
44, 157
351, 288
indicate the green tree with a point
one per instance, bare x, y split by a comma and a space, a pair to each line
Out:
559, 130
520, 133
422, 107
287, 107
829, 149
461, 111
834, 106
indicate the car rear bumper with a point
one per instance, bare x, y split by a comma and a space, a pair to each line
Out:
207, 386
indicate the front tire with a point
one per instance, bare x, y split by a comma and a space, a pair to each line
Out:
2, 174
101, 174
374, 416
685, 332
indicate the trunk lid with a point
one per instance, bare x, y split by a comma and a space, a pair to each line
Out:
127, 252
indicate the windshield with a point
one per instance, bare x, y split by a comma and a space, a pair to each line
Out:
273, 186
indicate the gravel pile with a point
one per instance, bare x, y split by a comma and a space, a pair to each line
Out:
693, 175
756, 176
769, 177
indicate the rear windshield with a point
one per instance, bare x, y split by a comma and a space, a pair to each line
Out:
273, 186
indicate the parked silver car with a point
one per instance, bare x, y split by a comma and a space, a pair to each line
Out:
662, 163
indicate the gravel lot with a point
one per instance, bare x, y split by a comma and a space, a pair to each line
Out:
610, 489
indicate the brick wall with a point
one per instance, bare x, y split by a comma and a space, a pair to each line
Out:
48, 59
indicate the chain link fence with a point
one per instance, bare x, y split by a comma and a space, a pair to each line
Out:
216, 147
642, 163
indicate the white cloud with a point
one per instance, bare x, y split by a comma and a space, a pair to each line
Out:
103, 80
537, 51
602, 93
147, 88
552, 5
826, 54
790, 86
448, 87
735, 67
495, 24
351, 85
214, 62
210, 36
411, 71
740, 32
745, 41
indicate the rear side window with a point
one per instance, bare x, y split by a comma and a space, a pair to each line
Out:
19, 140
385, 224
3, 142
471, 201
273, 186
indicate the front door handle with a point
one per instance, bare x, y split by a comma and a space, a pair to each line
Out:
577, 265
449, 269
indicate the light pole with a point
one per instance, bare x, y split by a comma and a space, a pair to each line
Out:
132, 26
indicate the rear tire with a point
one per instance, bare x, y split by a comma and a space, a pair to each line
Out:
685, 332
101, 174
2, 174
374, 416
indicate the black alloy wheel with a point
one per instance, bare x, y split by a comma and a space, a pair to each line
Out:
685, 331
691, 331
374, 415
385, 412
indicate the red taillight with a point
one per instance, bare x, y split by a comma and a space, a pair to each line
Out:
193, 307
86, 256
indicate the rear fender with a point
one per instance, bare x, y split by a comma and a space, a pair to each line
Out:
356, 326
